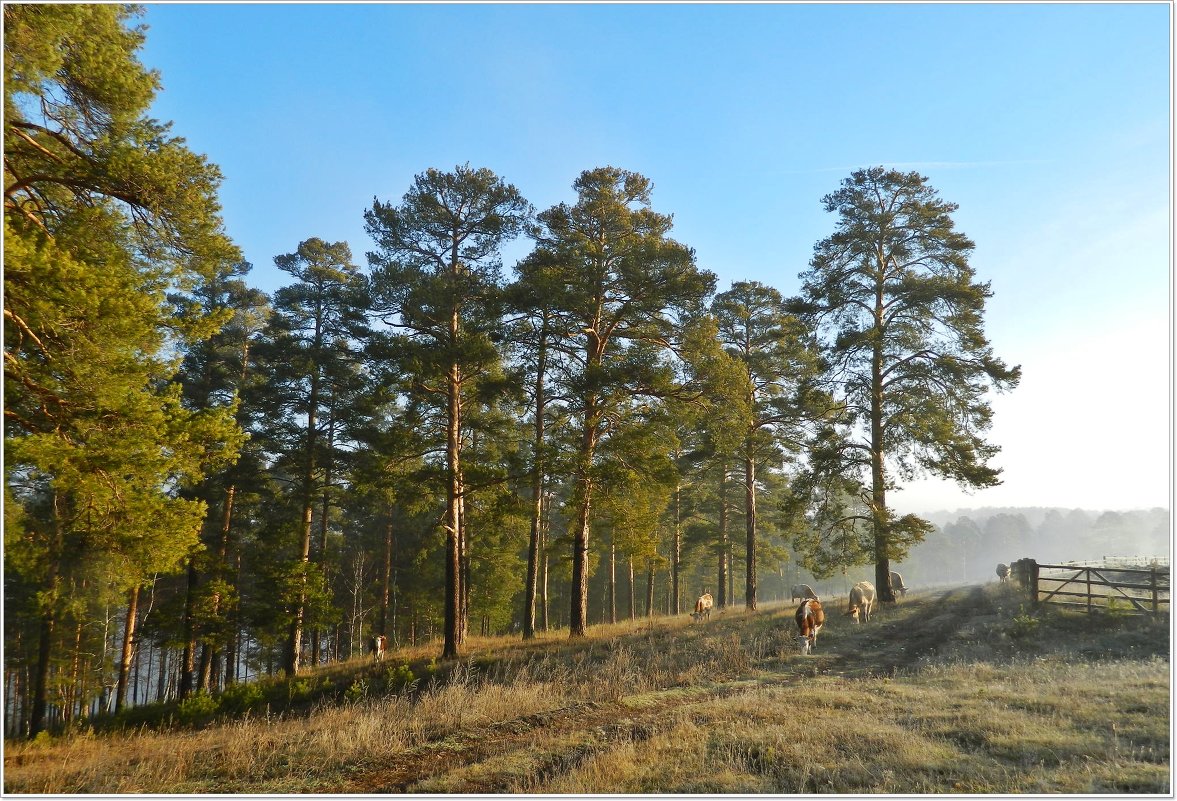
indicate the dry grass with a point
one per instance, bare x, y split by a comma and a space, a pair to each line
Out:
269, 755
1004, 703
1102, 728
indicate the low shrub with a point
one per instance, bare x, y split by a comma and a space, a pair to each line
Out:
1024, 624
358, 691
299, 690
240, 698
399, 677
198, 708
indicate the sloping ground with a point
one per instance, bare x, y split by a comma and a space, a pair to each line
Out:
572, 749
951, 691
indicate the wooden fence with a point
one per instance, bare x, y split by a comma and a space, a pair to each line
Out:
1103, 587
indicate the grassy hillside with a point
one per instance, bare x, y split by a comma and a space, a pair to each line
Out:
954, 691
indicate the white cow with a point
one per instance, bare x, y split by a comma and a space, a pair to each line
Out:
862, 601
897, 585
802, 591
377, 644
703, 607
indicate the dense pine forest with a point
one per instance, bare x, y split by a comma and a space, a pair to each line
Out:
205, 483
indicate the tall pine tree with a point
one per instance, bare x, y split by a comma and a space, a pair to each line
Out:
436, 279
900, 315
624, 285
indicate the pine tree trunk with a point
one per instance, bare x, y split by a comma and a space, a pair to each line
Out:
537, 489
188, 660
612, 583
676, 558
161, 690
293, 653
226, 542
721, 585
128, 649
15, 727
578, 618
75, 692
137, 660
37, 718
40, 705
204, 668
731, 572
386, 575
323, 528
233, 648
650, 588
632, 590
463, 563
750, 513
543, 546
453, 566
878, 477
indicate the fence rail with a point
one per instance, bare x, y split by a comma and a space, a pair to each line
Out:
1103, 586
1112, 562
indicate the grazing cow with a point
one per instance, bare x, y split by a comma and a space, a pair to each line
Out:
802, 591
862, 601
377, 644
1002, 572
897, 585
703, 607
810, 618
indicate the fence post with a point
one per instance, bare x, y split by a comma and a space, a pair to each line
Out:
1033, 570
1089, 591
1153, 582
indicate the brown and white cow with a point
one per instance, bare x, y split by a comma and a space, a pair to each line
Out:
862, 601
377, 644
802, 591
1002, 572
703, 607
810, 618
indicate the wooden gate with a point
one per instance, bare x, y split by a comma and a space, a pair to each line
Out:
1104, 587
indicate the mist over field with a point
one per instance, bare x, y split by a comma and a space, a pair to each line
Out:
968, 543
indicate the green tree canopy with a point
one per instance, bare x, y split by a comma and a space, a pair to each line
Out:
104, 213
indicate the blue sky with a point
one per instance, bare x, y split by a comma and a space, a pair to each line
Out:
1048, 124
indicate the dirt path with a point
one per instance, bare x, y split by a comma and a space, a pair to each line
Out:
894, 640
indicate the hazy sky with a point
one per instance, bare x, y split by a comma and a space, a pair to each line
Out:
1048, 124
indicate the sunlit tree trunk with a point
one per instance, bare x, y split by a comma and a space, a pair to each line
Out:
750, 515
721, 585
127, 649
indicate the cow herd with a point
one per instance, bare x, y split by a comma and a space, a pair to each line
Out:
810, 615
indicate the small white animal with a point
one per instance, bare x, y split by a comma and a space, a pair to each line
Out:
897, 585
862, 601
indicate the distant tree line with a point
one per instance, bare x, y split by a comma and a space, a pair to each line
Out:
205, 483
968, 546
